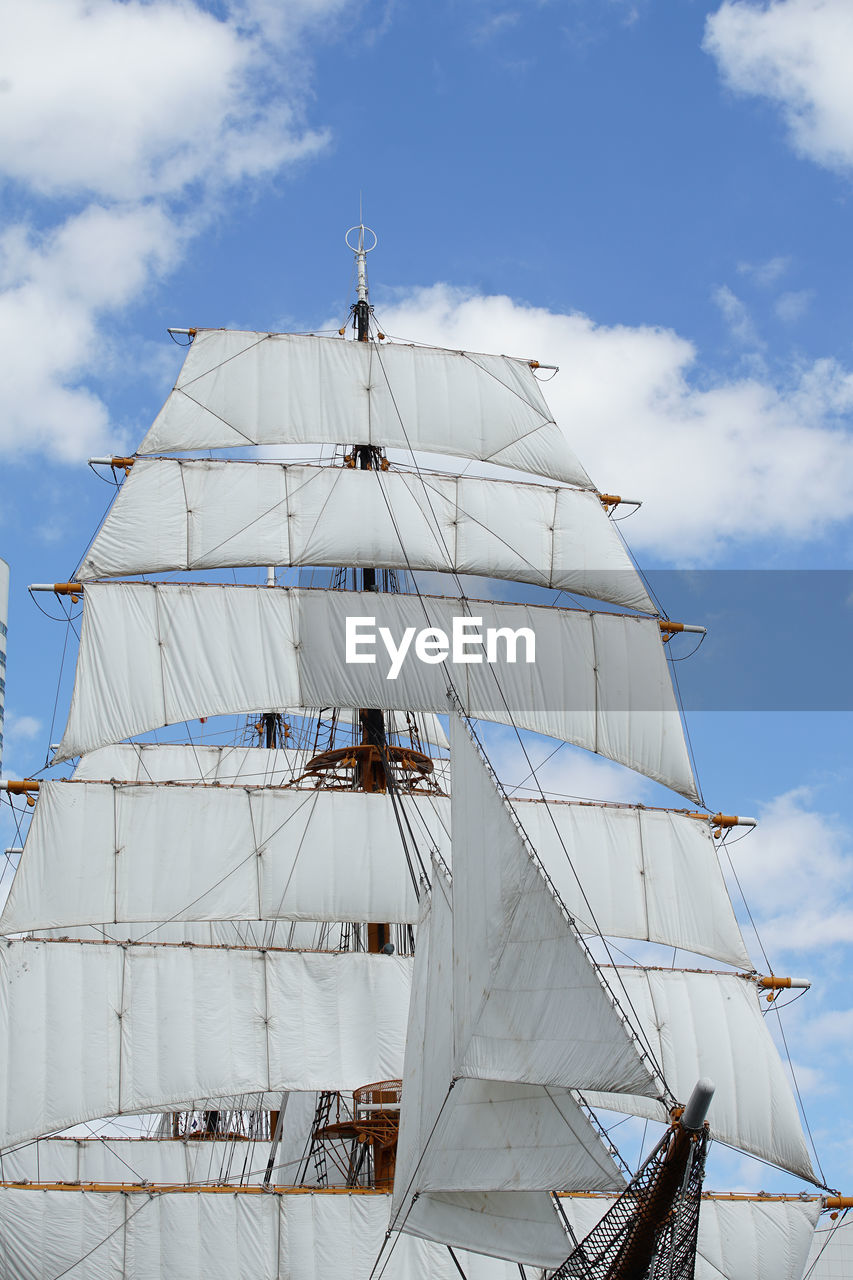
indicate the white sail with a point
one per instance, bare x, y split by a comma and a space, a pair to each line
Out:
649, 874
738, 1239
831, 1255
710, 1024
157, 654
507, 1016
327, 1236
630, 872
529, 1006
163, 852
213, 1236
159, 852
136, 1027
435, 1133
238, 388
199, 514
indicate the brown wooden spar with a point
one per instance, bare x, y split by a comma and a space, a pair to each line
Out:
21, 787
72, 589
653, 1210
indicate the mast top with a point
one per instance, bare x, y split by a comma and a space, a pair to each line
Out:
361, 249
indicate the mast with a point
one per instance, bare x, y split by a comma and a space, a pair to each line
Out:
361, 309
371, 771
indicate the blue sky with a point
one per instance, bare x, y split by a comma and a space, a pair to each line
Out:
653, 194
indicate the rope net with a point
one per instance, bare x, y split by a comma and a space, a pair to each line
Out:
650, 1232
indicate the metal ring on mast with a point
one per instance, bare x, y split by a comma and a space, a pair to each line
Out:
361, 250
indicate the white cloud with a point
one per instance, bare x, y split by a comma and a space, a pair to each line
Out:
793, 305
765, 273
20, 732
21, 728
57, 287
714, 462
736, 316
136, 111
496, 25
798, 54
798, 864
132, 100
563, 772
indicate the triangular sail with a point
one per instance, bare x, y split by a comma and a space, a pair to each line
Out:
529, 1004
434, 1135
487, 1102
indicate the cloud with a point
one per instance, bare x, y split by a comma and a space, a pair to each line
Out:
736, 316
717, 462
496, 25
562, 771
797, 53
56, 289
797, 864
21, 728
123, 122
791, 306
765, 273
133, 100
20, 733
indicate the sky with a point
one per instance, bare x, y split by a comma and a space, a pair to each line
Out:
653, 195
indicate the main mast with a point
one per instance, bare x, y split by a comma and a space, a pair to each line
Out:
376, 764
371, 772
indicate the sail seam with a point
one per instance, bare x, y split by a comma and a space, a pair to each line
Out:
161, 663
258, 858
554, 537
595, 689
121, 1015
266, 962
644, 872
313, 801
187, 513
116, 854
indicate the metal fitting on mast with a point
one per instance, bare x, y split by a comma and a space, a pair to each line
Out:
361, 309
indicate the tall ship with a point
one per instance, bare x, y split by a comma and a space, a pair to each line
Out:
292, 987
